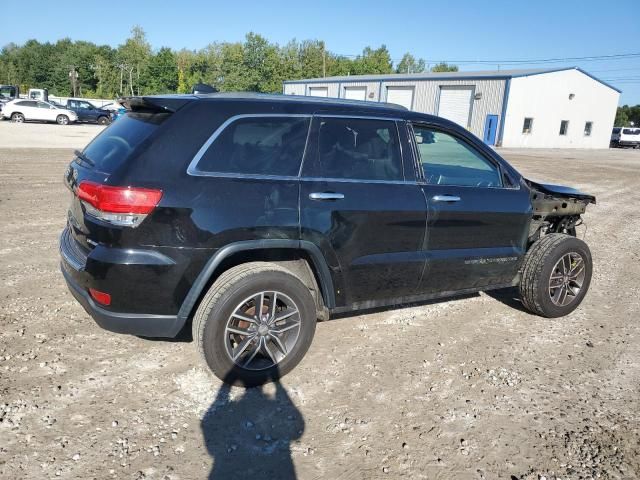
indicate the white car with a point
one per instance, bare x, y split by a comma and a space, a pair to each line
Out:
625, 137
20, 110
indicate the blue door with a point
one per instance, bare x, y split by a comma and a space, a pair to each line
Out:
490, 128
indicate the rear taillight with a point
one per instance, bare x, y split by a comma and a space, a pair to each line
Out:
100, 297
125, 206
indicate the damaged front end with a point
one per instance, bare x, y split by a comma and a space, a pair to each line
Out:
556, 209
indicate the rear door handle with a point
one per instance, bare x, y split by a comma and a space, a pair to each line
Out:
445, 198
324, 196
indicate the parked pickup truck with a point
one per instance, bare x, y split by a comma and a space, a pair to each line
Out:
249, 217
87, 112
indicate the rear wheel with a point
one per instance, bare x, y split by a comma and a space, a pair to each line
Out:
255, 324
556, 275
62, 120
17, 117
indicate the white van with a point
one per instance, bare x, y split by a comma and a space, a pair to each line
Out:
625, 137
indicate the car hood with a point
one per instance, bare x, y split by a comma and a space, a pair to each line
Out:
561, 190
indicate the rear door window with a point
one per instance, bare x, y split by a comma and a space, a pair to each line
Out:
447, 160
268, 145
356, 149
115, 144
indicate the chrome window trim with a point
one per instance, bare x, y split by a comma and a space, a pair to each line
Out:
193, 170
357, 180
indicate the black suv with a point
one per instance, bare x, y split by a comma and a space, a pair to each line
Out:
252, 216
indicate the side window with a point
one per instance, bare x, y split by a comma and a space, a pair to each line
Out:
43, 105
527, 126
564, 127
588, 127
449, 161
258, 146
357, 149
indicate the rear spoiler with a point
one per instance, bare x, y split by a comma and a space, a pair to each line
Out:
158, 103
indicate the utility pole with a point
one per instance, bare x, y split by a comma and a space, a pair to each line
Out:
324, 63
73, 77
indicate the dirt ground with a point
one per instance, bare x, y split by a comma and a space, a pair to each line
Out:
469, 388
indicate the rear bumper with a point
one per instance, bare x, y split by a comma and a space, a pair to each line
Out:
81, 272
132, 323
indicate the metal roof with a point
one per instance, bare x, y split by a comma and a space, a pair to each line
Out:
475, 75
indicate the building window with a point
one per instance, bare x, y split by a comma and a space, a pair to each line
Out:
587, 129
564, 127
527, 125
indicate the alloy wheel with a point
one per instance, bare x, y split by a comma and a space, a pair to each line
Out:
262, 330
567, 278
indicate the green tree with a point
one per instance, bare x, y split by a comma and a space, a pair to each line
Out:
373, 61
622, 117
133, 57
444, 67
409, 64
162, 72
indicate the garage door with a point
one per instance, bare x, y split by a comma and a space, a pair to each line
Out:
400, 96
455, 104
355, 93
319, 91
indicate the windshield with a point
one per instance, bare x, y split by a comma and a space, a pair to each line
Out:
631, 131
7, 91
116, 143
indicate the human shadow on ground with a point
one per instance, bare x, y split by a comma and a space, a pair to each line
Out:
248, 432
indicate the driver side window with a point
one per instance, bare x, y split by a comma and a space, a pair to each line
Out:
447, 160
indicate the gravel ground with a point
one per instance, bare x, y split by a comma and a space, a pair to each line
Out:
469, 388
46, 135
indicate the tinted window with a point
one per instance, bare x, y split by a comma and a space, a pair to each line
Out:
115, 144
629, 131
259, 146
615, 130
358, 149
447, 160
588, 126
564, 127
26, 103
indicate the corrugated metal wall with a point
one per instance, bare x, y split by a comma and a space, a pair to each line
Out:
426, 95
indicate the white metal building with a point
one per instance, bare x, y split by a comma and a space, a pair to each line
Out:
546, 108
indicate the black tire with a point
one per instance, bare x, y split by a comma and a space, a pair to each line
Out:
17, 117
62, 120
217, 306
538, 267
103, 120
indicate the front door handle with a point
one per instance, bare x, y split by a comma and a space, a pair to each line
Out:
324, 196
445, 198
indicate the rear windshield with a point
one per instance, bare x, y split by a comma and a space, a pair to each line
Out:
616, 130
116, 143
629, 131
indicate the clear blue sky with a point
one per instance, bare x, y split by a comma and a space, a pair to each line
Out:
450, 31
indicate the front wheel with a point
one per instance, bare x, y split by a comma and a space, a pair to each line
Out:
103, 121
62, 120
255, 324
556, 275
